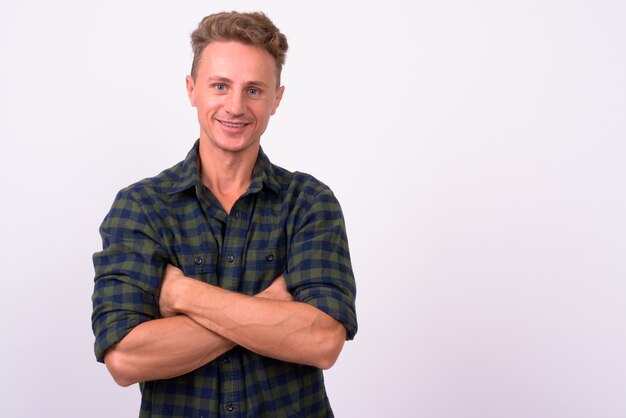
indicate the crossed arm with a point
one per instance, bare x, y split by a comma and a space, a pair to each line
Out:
201, 321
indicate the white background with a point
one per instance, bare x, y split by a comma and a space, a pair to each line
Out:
477, 149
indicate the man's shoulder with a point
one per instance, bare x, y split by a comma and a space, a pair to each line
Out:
163, 183
302, 188
298, 182
308, 184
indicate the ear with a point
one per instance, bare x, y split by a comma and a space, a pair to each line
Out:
279, 97
189, 83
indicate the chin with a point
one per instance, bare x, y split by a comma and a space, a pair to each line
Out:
232, 146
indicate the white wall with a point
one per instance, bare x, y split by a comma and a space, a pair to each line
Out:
477, 149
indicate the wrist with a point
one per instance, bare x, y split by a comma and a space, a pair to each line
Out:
184, 289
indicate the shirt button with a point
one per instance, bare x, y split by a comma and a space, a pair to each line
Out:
227, 359
230, 407
236, 214
198, 260
269, 257
230, 258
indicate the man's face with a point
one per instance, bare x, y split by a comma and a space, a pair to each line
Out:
235, 94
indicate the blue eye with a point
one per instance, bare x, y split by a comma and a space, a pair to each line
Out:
253, 91
220, 87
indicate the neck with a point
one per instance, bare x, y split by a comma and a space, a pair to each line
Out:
227, 174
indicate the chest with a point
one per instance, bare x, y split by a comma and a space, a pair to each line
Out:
243, 251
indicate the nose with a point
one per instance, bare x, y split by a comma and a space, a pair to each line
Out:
235, 104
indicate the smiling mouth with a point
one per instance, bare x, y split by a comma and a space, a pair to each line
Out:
233, 124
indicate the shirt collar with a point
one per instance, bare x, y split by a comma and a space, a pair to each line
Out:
264, 174
188, 176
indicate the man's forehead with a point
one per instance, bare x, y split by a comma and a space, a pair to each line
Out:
235, 61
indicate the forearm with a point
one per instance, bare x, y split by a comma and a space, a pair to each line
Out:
285, 330
163, 348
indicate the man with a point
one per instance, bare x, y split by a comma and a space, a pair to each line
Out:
224, 286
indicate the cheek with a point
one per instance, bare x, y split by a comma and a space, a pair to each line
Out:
266, 111
264, 118
207, 105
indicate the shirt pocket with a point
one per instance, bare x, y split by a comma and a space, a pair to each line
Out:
261, 267
200, 266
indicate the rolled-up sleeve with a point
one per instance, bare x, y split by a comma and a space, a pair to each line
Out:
319, 271
127, 273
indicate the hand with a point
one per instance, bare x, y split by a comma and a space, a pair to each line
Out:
169, 290
277, 291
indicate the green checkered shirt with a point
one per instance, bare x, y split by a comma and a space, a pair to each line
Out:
286, 223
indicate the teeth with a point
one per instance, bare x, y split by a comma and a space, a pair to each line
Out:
234, 125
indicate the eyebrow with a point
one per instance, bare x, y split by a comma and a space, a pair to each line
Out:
228, 80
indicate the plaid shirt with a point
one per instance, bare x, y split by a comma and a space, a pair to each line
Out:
285, 223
